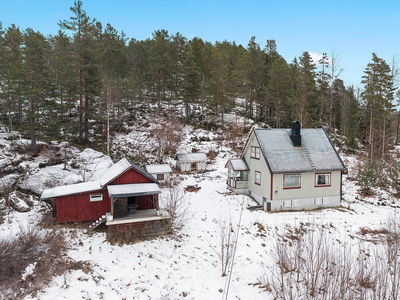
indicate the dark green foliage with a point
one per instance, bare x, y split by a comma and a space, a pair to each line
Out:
367, 179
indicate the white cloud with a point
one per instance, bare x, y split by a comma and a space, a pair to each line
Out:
316, 57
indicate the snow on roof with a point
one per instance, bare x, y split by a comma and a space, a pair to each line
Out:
315, 154
188, 157
239, 164
153, 169
134, 189
70, 189
119, 168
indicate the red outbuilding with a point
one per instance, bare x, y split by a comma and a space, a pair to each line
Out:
123, 194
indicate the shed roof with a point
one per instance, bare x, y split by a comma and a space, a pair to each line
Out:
134, 189
153, 169
239, 164
191, 157
316, 153
70, 189
119, 168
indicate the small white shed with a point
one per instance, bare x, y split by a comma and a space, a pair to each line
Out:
160, 172
191, 162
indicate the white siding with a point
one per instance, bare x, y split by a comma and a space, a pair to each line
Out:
308, 188
257, 165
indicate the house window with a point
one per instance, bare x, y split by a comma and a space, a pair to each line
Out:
291, 181
96, 197
193, 166
257, 179
255, 152
323, 179
160, 176
295, 203
287, 203
318, 201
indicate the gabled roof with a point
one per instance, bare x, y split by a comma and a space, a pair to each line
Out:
316, 153
119, 168
70, 189
191, 157
238, 164
106, 177
153, 169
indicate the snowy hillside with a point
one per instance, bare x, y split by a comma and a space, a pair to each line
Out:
184, 265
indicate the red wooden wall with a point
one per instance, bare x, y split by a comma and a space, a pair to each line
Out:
130, 176
146, 202
74, 208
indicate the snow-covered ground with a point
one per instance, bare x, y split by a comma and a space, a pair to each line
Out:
185, 266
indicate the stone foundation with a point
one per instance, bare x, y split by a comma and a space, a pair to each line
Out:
139, 229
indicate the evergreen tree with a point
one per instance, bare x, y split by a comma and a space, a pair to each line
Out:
309, 106
79, 23
63, 68
191, 82
160, 63
378, 94
280, 91
35, 50
13, 79
323, 78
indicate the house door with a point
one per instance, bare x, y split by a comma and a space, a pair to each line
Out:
193, 166
120, 208
268, 206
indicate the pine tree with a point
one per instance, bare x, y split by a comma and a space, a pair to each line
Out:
160, 63
63, 68
378, 94
323, 78
309, 105
113, 59
79, 23
280, 91
35, 50
13, 78
191, 84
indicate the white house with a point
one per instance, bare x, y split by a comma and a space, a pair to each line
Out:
288, 169
191, 162
161, 172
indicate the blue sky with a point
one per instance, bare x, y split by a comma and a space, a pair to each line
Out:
353, 29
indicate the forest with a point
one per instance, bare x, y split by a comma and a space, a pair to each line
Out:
82, 83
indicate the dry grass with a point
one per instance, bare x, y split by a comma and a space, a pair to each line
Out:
31, 249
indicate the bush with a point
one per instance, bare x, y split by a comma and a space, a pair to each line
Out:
28, 260
313, 264
367, 179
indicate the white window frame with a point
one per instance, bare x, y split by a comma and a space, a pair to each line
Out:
287, 203
295, 203
322, 174
259, 177
255, 152
96, 197
291, 187
318, 201
325, 200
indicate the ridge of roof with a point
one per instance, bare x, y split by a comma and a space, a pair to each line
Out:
317, 152
119, 168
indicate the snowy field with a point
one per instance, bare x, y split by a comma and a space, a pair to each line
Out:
184, 265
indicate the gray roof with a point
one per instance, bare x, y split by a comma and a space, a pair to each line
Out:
191, 157
239, 164
106, 177
134, 189
71, 189
316, 153
154, 169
